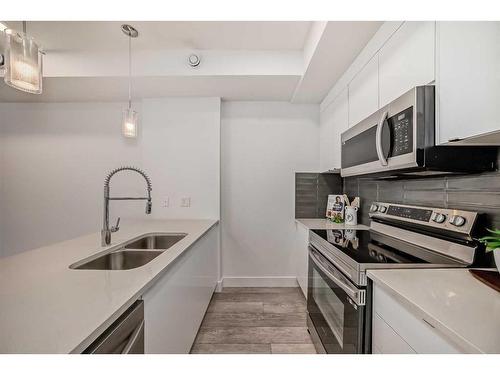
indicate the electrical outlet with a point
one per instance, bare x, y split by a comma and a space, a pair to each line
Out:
165, 202
186, 202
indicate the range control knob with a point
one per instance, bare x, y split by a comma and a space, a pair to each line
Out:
457, 220
438, 218
373, 208
382, 209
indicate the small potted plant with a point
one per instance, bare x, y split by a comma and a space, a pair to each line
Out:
492, 243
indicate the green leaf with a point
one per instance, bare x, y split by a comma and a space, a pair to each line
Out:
489, 238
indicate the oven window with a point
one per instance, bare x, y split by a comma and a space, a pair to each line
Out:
330, 306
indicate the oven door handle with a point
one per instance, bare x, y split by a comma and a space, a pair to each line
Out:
358, 296
378, 139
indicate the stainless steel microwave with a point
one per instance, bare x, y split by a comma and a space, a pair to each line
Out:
399, 139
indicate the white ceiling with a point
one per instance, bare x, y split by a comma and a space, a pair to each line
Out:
97, 35
286, 61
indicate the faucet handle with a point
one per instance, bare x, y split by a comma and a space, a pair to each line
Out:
116, 228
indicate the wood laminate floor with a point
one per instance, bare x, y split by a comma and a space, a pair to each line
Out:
255, 321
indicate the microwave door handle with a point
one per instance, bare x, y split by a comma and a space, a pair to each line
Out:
355, 295
378, 139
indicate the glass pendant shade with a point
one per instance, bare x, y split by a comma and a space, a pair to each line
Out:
23, 63
129, 124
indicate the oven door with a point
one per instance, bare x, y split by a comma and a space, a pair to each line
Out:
336, 308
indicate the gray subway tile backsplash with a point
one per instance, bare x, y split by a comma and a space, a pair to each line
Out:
488, 182
423, 184
311, 193
474, 199
435, 198
480, 192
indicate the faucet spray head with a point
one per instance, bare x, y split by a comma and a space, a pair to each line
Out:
148, 207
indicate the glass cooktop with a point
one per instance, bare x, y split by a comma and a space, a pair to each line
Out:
365, 246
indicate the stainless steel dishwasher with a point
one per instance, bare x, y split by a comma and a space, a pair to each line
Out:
124, 336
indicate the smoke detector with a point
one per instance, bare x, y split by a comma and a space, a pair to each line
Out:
194, 60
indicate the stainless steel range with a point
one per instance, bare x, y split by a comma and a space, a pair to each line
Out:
400, 236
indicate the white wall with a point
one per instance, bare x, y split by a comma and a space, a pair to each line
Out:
182, 155
55, 156
263, 145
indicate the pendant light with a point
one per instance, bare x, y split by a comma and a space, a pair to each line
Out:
130, 117
23, 62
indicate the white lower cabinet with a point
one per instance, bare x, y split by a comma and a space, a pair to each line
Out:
386, 340
302, 255
398, 330
174, 307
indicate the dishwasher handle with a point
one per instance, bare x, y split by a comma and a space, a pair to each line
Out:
124, 336
135, 341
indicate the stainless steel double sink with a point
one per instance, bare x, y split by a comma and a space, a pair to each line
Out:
131, 254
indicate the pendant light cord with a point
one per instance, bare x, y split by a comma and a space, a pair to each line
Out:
129, 71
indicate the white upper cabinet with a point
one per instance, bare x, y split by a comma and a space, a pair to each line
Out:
406, 60
468, 79
340, 125
333, 121
363, 92
325, 139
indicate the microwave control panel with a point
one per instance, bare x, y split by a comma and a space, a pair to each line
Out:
401, 126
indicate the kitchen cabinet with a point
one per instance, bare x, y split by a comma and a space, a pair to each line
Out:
326, 140
302, 255
333, 122
396, 329
406, 60
468, 79
386, 340
175, 305
340, 123
363, 92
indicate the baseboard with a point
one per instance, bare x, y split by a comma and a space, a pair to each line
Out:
276, 281
218, 287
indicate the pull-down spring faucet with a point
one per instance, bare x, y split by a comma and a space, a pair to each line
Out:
106, 230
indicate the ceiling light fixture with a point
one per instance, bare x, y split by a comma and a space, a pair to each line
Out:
130, 117
23, 62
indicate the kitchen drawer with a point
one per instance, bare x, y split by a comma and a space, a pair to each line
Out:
420, 335
386, 341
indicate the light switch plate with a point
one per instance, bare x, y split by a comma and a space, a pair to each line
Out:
166, 202
186, 202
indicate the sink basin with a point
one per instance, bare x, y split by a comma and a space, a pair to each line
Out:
120, 260
134, 254
159, 241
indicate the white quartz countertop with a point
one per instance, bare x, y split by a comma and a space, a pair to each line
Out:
452, 300
46, 307
328, 224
